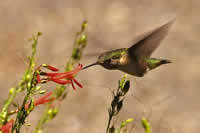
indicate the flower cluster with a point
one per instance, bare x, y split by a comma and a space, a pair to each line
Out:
59, 77
41, 100
43, 77
7, 127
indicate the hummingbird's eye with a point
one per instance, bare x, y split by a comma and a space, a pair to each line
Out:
108, 61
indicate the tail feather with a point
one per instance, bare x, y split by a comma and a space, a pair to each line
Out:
166, 61
154, 63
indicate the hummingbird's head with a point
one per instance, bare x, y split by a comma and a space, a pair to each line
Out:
107, 60
111, 59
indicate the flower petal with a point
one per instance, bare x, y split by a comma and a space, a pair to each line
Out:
80, 85
44, 99
59, 81
68, 74
52, 68
73, 86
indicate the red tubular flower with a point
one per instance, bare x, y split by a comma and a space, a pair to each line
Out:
7, 127
50, 67
59, 81
68, 74
42, 100
62, 78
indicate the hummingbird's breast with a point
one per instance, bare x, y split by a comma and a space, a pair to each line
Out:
124, 60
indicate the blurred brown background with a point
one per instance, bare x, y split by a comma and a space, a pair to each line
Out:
168, 96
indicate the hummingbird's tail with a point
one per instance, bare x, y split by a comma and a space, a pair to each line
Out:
154, 63
165, 61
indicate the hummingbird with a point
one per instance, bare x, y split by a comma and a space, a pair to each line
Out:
136, 60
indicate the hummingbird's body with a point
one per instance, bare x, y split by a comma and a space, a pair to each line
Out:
136, 60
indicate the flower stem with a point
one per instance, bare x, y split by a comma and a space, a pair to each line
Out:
80, 43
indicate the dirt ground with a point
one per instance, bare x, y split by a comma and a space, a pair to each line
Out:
167, 96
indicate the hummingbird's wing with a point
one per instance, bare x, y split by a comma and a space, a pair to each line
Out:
149, 41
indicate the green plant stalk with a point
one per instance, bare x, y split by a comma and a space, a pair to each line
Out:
117, 102
29, 84
22, 113
21, 86
80, 43
42, 120
8, 102
45, 118
108, 125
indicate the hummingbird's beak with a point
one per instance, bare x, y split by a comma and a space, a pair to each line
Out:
96, 63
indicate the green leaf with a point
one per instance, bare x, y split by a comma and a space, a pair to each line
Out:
82, 40
28, 124
124, 123
39, 131
39, 34
43, 91
146, 125
123, 81
11, 91
37, 88
15, 105
126, 87
84, 26
31, 106
52, 112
